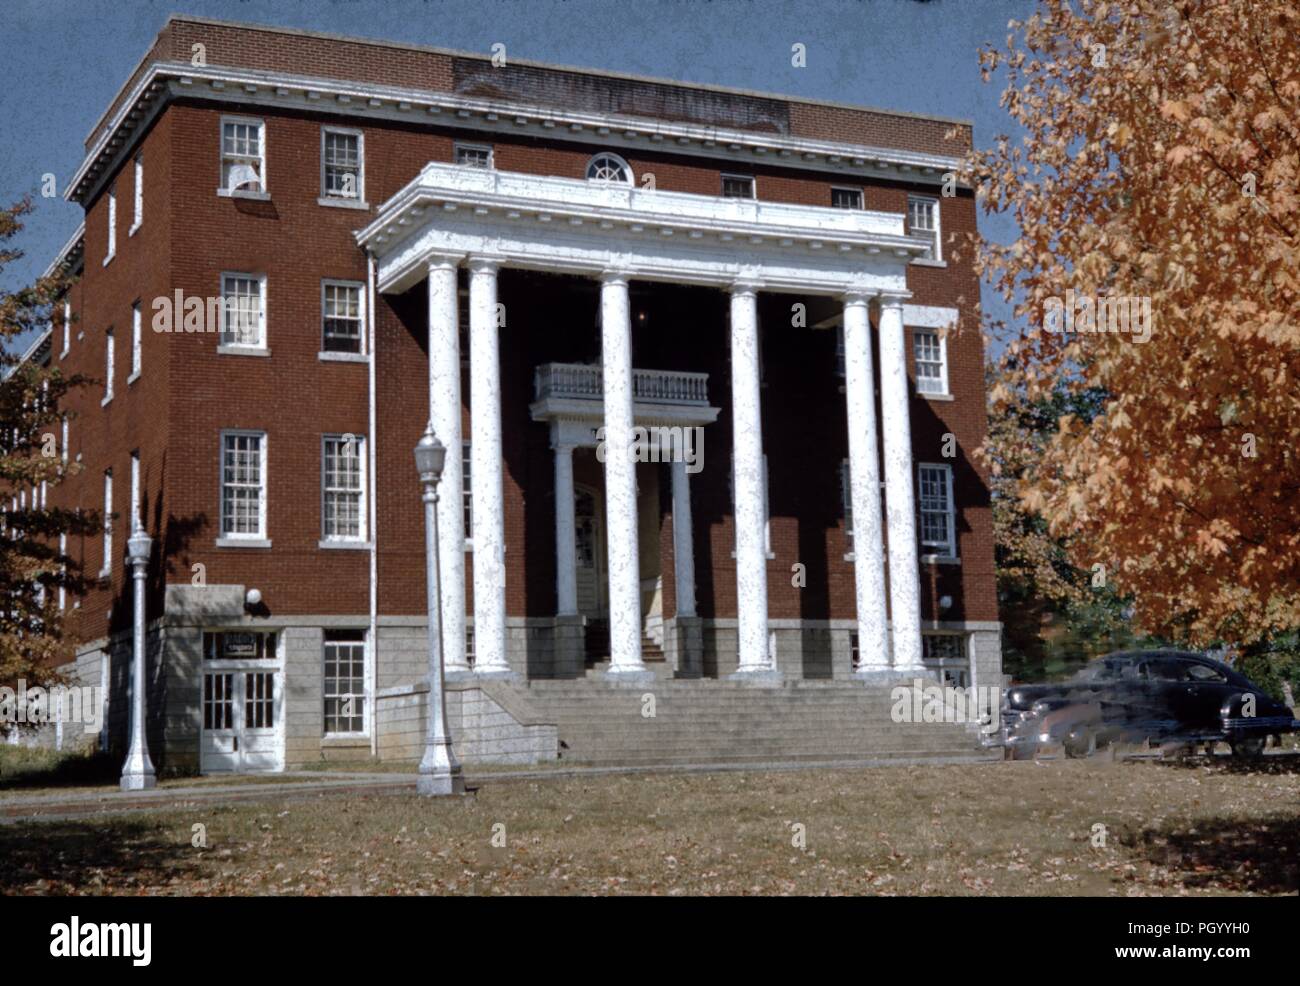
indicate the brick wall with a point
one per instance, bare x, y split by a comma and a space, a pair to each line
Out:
188, 392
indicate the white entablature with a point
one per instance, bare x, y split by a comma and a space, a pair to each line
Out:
574, 226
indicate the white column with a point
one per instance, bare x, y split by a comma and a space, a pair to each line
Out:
900, 500
751, 549
445, 413
864, 483
485, 471
683, 545
566, 572
620, 479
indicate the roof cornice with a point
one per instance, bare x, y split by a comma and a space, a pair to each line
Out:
164, 81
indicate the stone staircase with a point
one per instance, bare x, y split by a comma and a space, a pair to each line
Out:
710, 721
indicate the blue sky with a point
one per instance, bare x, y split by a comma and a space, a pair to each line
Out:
66, 58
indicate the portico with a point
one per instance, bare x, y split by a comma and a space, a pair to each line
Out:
450, 217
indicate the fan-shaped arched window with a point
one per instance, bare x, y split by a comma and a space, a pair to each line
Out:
609, 167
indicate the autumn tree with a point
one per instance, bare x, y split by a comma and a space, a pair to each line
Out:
1055, 615
1156, 194
32, 570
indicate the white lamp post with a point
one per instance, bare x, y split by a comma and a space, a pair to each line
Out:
439, 770
137, 771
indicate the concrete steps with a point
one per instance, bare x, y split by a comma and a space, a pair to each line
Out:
710, 721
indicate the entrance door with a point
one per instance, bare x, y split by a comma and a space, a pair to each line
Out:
242, 709
590, 547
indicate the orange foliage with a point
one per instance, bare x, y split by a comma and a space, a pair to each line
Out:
1161, 164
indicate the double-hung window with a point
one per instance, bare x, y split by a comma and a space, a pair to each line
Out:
243, 311
112, 224
137, 195
938, 513
343, 488
110, 359
342, 317
243, 156
342, 162
931, 351
923, 220
107, 565
137, 341
243, 485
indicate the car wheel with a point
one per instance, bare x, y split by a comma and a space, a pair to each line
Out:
1080, 744
1248, 747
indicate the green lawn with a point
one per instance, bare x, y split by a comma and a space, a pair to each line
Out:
1014, 828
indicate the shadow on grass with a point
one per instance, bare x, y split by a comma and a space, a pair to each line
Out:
47, 769
1280, 764
97, 857
1260, 856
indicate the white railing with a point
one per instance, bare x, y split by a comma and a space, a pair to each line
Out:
584, 381
631, 203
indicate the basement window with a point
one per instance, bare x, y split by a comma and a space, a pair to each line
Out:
949, 654
345, 682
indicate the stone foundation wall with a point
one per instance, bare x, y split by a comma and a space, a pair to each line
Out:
485, 727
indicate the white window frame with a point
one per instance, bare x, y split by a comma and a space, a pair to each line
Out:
106, 567
932, 551
110, 361
936, 251
259, 537
328, 540
64, 452
333, 198
111, 252
629, 179
63, 570
328, 354
137, 194
465, 145
852, 190
942, 379
137, 342
365, 694
753, 186
67, 328
135, 490
259, 348
261, 193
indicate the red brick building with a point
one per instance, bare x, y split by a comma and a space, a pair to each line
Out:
299, 249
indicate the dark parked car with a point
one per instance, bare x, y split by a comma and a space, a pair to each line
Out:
1162, 696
